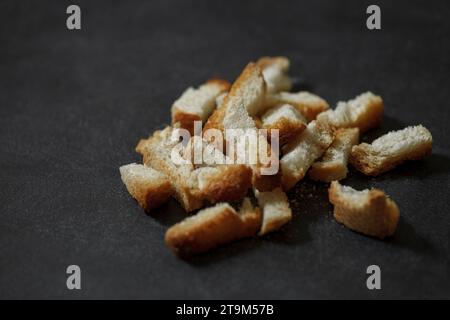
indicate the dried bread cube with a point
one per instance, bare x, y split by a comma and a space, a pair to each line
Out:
212, 227
333, 164
308, 104
301, 153
197, 104
364, 112
148, 186
370, 212
391, 149
286, 119
275, 210
275, 71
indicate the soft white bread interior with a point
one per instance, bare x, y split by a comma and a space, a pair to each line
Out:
364, 112
391, 149
308, 104
369, 211
212, 227
286, 119
301, 152
275, 210
275, 71
197, 104
333, 164
148, 186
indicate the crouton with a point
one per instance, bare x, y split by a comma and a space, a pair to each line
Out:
286, 119
275, 72
364, 112
148, 186
369, 212
333, 164
212, 227
308, 104
193, 186
197, 104
275, 210
301, 153
391, 149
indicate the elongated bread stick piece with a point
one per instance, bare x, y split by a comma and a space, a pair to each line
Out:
391, 149
212, 227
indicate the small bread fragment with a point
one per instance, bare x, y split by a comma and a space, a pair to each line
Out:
301, 153
212, 227
286, 119
275, 71
370, 212
308, 104
391, 149
275, 210
148, 186
333, 164
364, 112
197, 104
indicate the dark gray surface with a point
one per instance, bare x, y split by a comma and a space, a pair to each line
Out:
74, 104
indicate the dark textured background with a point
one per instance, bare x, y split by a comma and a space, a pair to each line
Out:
73, 104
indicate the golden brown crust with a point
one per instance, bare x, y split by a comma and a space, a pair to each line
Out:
333, 164
367, 162
281, 61
209, 231
373, 213
327, 172
223, 84
230, 184
185, 120
391, 149
155, 197
287, 129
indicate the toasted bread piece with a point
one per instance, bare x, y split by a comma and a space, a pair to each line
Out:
148, 186
275, 210
369, 211
197, 104
275, 71
301, 153
193, 186
156, 152
245, 99
391, 149
364, 112
212, 227
308, 104
286, 119
333, 164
